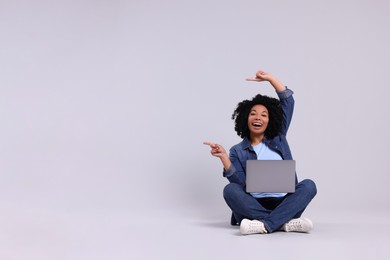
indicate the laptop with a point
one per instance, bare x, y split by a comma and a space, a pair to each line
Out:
270, 176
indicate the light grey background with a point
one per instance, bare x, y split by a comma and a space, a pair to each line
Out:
104, 106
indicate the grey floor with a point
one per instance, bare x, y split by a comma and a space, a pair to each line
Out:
36, 233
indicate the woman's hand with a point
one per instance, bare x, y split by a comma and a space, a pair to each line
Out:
265, 76
261, 76
220, 152
216, 149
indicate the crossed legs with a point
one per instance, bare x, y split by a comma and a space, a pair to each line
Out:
272, 212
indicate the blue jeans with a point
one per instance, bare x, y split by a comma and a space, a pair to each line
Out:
273, 212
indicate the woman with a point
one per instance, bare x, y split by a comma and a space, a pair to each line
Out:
263, 123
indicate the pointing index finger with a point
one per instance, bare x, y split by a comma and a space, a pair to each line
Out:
253, 79
211, 144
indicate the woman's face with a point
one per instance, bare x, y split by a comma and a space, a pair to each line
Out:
258, 120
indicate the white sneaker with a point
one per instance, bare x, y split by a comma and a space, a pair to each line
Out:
252, 227
298, 225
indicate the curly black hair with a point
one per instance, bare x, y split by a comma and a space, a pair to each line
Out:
241, 113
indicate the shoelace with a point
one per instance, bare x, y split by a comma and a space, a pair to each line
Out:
255, 227
295, 225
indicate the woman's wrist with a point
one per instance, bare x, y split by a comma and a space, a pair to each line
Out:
225, 162
278, 86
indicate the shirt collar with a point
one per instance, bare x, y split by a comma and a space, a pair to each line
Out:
246, 143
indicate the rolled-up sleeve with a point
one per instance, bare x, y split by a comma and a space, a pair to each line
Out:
285, 94
235, 173
287, 103
229, 172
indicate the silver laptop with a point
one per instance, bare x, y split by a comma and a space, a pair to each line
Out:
270, 176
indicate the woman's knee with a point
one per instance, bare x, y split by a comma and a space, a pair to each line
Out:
231, 190
309, 186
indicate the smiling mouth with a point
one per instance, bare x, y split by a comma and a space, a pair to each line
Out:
257, 124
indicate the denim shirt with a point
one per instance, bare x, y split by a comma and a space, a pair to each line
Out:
243, 151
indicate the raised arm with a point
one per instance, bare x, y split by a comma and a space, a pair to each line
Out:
284, 94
